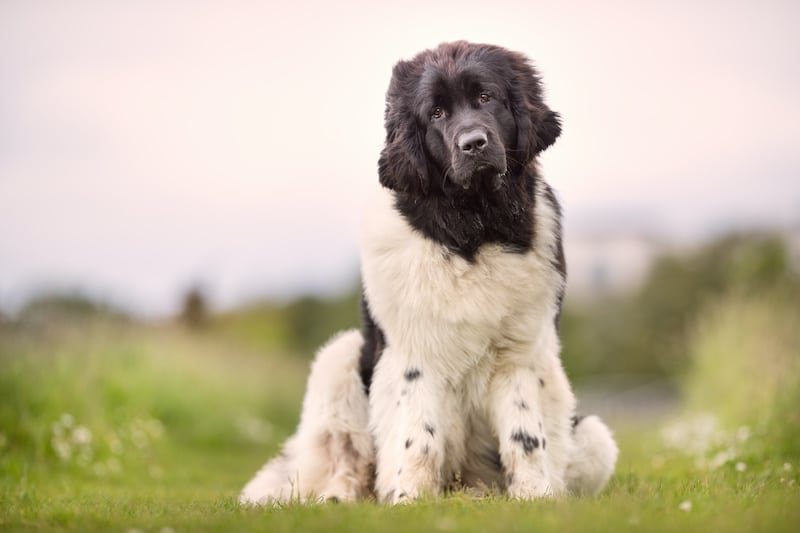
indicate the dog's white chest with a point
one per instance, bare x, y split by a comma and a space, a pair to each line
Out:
413, 282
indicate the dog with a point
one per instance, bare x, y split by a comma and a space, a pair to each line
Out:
455, 379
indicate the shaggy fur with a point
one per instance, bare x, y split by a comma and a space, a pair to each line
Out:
456, 379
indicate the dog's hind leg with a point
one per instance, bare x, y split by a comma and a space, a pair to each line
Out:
595, 455
331, 455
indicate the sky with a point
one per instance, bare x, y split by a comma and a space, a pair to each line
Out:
149, 146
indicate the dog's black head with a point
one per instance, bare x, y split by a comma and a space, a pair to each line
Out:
462, 116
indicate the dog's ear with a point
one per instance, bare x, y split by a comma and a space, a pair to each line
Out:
537, 125
548, 129
403, 165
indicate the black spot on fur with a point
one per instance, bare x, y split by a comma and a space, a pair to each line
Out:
430, 430
509, 479
388, 496
528, 442
412, 374
544, 443
409, 442
402, 495
522, 405
541, 382
426, 450
576, 420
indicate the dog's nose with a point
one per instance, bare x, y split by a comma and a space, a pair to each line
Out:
473, 141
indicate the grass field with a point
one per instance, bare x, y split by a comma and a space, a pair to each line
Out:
110, 426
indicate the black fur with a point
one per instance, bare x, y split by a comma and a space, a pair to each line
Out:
412, 374
526, 440
374, 342
458, 198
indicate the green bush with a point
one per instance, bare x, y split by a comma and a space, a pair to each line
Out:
645, 333
745, 366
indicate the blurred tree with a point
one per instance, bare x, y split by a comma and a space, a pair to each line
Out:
644, 333
300, 326
54, 308
312, 321
194, 308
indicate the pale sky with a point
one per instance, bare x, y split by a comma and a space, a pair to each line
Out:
145, 146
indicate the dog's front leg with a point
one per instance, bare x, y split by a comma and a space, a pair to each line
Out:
407, 422
516, 407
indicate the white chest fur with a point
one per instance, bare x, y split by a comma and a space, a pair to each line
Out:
429, 300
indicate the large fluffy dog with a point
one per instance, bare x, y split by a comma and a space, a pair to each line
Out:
456, 379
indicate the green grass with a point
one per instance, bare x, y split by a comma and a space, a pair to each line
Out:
115, 427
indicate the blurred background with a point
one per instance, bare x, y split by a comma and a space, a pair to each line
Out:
181, 186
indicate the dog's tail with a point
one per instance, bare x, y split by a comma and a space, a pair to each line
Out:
595, 455
331, 455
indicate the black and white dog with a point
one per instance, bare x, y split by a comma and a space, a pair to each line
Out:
456, 379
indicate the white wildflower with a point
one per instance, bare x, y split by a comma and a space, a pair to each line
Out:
139, 438
685, 506
62, 448
167, 529
694, 435
66, 420
82, 436
741, 467
721, 458
154, 428
743, 433
787, 467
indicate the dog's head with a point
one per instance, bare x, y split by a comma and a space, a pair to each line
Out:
462, 115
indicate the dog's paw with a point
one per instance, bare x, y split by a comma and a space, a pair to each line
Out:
409, 488
339, 490
530, 489
403, 497
338, 497
400, 496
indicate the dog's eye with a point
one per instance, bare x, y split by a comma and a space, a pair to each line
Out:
485, 97
437, 112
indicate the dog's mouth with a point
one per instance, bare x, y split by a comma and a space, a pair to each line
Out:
478, 174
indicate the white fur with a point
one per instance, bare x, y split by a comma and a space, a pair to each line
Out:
595, 450
469, 388
331, 454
